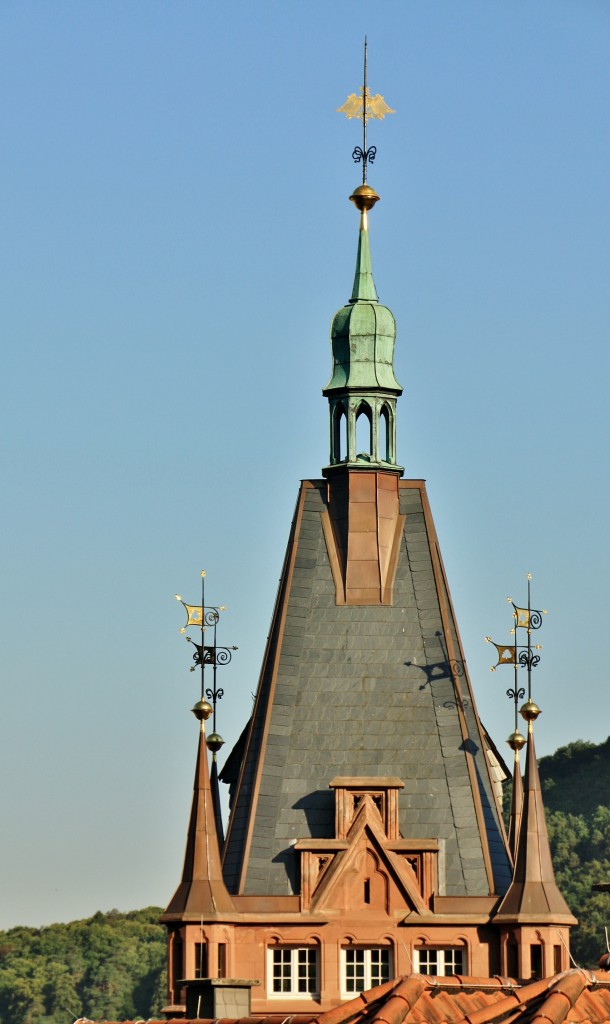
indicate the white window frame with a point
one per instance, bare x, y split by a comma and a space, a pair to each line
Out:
446, 957
371, 971
294, 963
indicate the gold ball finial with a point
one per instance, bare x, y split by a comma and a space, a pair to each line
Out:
516, 741
364, 198
214, 742
529, 711
202, 710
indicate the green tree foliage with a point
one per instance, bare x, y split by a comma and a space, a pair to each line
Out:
110, 967
575, 778
580, 846
574, 782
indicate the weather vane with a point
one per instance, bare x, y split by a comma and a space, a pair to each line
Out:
521, 656
205, 617
364, 107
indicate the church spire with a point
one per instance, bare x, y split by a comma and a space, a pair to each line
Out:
516, 806
364, 286
533, 896
362, 383
362, 390
202, 892
516, 742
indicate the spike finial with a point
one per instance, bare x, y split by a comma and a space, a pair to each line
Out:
364, 107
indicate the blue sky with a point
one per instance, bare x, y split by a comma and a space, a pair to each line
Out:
176, 238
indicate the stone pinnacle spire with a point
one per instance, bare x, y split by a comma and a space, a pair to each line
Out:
363, 384
533, 896
364, 287
202, 892
516, 742
516, 808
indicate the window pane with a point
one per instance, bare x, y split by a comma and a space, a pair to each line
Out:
281, 970
453, 961
428, 961
441, 961
222, 959
294, 970
365, 968
306, 959
380, 966
201, 960
354, 970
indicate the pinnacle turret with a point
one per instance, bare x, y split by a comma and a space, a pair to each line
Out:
533, 895
202, 891
362, 383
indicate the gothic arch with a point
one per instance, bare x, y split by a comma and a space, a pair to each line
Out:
364, 444
386, 433
339, 433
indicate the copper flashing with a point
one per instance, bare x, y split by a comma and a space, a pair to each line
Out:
362, 528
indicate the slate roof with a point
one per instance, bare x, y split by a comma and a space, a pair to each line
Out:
364, 691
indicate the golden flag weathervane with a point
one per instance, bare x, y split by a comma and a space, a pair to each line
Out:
205, 616
365, 107
521, 656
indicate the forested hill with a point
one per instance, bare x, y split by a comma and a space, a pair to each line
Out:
112, 966
109, 967
576, 779
576, 787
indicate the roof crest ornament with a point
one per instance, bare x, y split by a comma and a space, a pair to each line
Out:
206, 616
523, 656
364, 107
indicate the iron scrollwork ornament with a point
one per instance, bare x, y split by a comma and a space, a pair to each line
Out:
516, 694
214, 695
535, 618
210, 655
527, 659
367, 156
206, 617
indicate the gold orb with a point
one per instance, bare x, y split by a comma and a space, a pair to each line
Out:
516, 740
214, 742
529, 711
202, 710
364, 197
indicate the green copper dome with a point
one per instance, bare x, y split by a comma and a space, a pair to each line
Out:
363, 334
363, 390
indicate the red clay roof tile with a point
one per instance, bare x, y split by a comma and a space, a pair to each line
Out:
574, 997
